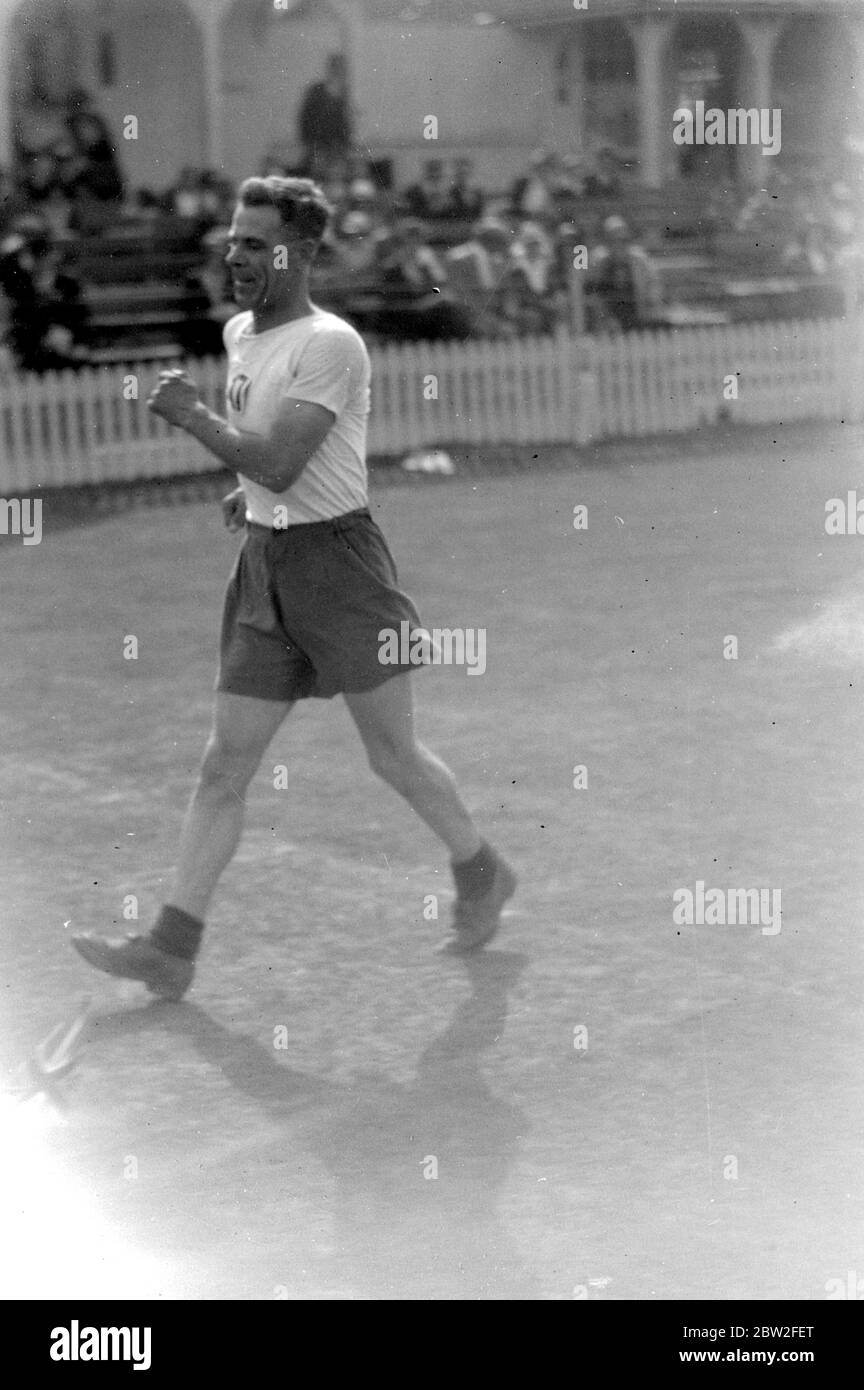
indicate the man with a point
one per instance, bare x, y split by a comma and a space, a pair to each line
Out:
477, 274
428, 197
324, 121
465, 199
308, 599
623, 279
531, 196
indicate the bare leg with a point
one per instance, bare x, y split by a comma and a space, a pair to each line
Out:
242, 729
385, 722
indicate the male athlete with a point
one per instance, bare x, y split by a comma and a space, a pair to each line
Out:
312, 587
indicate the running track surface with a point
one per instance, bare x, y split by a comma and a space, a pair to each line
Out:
706, 1142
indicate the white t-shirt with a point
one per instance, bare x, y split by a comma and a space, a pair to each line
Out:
318, 358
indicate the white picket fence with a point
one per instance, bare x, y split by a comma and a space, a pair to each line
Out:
94, 425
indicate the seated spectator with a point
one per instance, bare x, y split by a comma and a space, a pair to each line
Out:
407, 262
602, 180
355, 243
566, 186
428, 198
414, 303
535, 298
44, 312
622, 280
841, 222
40, 192
806, 252
464, 198
146, 207
199, 198
531, 196
41, 179
476, 273
363, 196
185, 195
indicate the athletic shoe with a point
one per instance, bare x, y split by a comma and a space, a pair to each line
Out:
476, 920
134, 957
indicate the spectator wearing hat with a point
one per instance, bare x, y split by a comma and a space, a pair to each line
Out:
532, 195
603, 180
477, 272
407, 261
415, 302
429, 197
622, 280
534, 296
355, 243
363, 196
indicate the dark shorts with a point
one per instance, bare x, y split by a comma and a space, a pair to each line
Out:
304, 609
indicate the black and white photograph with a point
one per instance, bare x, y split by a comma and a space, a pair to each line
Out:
431, 663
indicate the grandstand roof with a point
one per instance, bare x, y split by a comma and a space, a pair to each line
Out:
525, 12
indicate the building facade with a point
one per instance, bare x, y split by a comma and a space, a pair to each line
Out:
215, 83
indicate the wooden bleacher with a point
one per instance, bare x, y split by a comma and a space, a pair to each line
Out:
137, 286
135, 281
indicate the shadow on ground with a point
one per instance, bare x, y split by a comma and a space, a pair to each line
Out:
406, 1223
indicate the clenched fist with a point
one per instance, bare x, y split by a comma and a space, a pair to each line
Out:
175, 397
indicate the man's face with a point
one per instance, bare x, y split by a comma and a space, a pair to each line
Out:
266, 260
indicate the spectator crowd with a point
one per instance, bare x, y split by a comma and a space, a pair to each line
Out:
440, 257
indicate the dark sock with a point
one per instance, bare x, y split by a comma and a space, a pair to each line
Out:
177, 932
473, 876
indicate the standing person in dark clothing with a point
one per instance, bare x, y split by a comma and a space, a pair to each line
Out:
92, 177
324, 122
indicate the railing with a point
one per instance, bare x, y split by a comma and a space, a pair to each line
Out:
94, 426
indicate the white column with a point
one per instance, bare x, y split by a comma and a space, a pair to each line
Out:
6, 12
651, 38
760, 37
210, 14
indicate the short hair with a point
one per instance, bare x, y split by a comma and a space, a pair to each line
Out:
301, 203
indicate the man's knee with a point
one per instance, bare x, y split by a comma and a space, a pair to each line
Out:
398, 764
228, 766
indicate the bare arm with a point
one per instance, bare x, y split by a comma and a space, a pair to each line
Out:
275, 460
